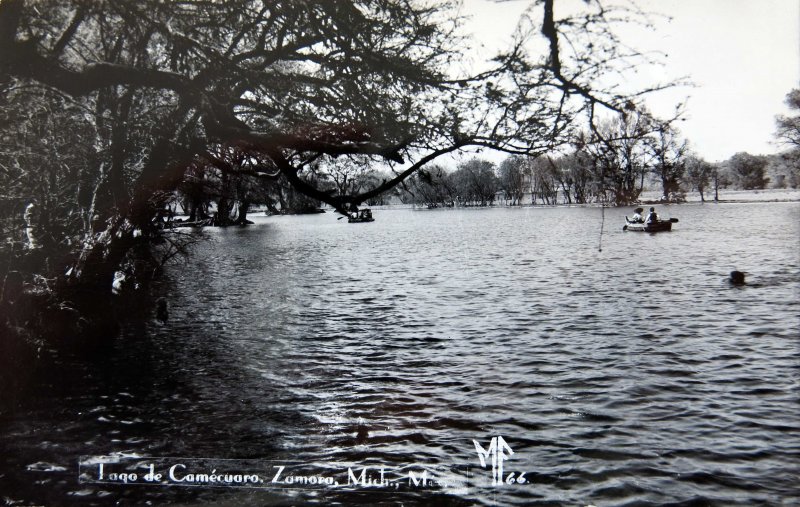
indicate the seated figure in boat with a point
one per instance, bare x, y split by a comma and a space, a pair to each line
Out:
637, 216
364, 215
652, 217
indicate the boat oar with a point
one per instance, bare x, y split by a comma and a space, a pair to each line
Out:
673, 220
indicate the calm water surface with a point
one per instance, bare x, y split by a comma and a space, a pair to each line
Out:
631, 374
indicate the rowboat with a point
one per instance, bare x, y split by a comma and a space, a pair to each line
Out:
658, 226
364, 215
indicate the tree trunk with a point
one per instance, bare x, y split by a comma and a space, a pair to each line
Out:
244, 206
716, 187
119, 142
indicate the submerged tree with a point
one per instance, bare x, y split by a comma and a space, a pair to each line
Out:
575, 176
512, 177
544, 180
476, 182
699, 174
152, 92
619, 157
669, 160
433, 186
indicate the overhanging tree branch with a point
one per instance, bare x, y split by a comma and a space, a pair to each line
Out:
550, 31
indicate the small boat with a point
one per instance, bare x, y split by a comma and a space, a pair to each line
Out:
659, 226
364, 215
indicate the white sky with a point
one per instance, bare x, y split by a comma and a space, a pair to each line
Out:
742, 55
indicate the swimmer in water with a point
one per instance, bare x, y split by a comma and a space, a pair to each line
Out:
737, 278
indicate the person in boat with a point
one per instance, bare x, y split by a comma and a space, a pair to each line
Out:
637, 216
652, 216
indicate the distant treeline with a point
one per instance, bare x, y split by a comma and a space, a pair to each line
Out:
578, 178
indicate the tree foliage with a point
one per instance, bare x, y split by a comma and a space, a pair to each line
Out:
476, 182
788, 133
789, 126
699, 174
669, 153
748, 171
434, 186
619, 156
512, 178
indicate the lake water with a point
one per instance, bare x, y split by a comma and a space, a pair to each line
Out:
622, 368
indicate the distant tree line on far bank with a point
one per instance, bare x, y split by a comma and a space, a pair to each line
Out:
575, 179
614, 166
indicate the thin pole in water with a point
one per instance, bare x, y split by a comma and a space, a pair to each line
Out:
602, 222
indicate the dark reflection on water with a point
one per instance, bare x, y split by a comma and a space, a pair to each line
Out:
631, 375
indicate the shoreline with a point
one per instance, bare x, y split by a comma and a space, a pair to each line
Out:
650, 198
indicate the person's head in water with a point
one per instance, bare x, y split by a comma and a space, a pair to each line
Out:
737, 278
